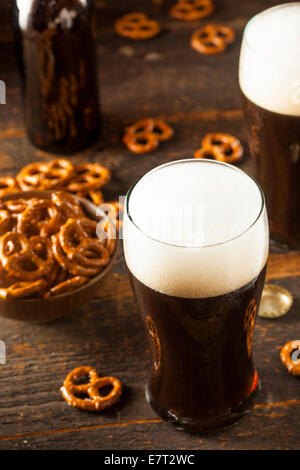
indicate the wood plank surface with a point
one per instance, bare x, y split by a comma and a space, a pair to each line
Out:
163, 78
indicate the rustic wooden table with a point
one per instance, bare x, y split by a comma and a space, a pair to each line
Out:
162, 77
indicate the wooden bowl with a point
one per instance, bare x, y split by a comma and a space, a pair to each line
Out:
46, 310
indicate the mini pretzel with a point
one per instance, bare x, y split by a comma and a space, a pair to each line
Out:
141, 142
53, 225
30, 176
77, 239
94, 401
106, 232
41, 247
67, 286
207, 152
113, 397
92, 253
190, 10
31, 221
96, 196
89, 176
53, 277
226, 147
10, 244
159, 128
75, 268
51, 175
16, 206
290, 357
74, 232
137, 26
31, 264
26, 260
7, 185
68, 205
114, 212
22, 289
212, 39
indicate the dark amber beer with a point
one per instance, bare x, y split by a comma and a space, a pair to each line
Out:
57, 61
196, 245
270, 83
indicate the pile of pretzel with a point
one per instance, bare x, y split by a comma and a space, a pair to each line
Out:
210, 39
49, 246
84, 180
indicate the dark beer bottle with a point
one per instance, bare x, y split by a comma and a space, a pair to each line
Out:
56, 56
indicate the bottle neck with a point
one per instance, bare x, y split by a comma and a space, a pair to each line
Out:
61, 15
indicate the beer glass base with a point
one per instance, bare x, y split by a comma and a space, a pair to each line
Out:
206, 424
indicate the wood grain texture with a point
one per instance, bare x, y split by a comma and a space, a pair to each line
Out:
163, 78
283, 265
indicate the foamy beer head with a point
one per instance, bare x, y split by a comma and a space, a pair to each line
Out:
195, 229
270, 59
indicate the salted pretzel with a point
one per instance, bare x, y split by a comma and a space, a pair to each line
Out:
7, 185
89, 176
145, 135
11, 244
137, 26
290, 357
159, 128
68, 205
73, 232
40, 218
27, 267
66, 286
141, 142
208, 153
73, 267
106, 233
226, 147
191, 10
96, 196
16, 206
212, 39
22, 289
78, 240
114, 211
27, 260
41, 175
52, 278
94, 401
92, 253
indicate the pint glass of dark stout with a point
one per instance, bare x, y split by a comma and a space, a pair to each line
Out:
196, 246
269, 78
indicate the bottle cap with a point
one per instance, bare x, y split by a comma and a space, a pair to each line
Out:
275, 301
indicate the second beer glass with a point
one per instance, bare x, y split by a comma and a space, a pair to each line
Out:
196, 246
270, 82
